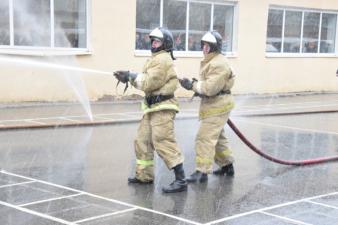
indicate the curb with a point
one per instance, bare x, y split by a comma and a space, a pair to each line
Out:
128, 121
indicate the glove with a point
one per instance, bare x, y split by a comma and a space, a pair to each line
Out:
186, 83
122, 76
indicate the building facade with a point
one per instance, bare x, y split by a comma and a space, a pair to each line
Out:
274, 46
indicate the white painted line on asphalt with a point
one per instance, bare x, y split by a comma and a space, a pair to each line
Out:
50, 199
322, 204
121, 115
37, 118
289, 106
145, 209
268, 208
112, 114
116, 114
71, 120
171, 216
37, 213
104, 198
256, 108
41, 181
286, 219
68, 117
105, 215
16, 184
284, 127
328, 102
33, 121
101, 117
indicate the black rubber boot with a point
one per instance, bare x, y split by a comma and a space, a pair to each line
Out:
179, 184
197, 176
228, 170
134, 180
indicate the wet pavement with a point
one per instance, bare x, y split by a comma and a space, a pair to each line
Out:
78, 174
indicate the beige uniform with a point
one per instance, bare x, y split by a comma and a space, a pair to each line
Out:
156, 130
211, 142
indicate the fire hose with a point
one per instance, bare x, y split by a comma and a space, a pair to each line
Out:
273, 159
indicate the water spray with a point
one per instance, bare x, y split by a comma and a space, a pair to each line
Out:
73, 79
47, 65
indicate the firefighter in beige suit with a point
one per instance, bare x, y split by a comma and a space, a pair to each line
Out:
156, 131
216, 80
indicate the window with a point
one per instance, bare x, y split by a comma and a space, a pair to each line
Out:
147, 17
275, 25
4, 23
292, 32
301, 31
39, 24
311, 32
199, 24
224, 13
31, 23
70, 23
174, 18
328, 33
188, 20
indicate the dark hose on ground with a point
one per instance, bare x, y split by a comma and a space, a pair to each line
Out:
273, 159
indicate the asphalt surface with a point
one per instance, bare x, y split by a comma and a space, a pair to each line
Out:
60, 167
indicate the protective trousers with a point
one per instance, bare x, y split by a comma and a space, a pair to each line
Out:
156, 133
212, 144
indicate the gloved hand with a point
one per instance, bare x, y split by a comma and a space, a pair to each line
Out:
186, 83
122, 76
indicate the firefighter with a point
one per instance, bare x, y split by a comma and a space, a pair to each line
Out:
216, 81
156, 131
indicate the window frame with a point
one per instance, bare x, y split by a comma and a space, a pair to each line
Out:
197, 54
301, 54
51, 50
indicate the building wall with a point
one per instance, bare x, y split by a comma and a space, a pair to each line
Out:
260, 74
112, 38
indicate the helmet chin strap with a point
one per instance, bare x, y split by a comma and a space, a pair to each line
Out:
157, 49
153, 50
172, 55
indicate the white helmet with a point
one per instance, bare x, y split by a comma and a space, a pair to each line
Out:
166, 37
214, 39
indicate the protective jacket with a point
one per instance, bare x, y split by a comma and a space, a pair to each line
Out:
158, 78
216, 80
156, 131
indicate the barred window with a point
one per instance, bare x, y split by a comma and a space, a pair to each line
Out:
39, 24
301, 31
187, 20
